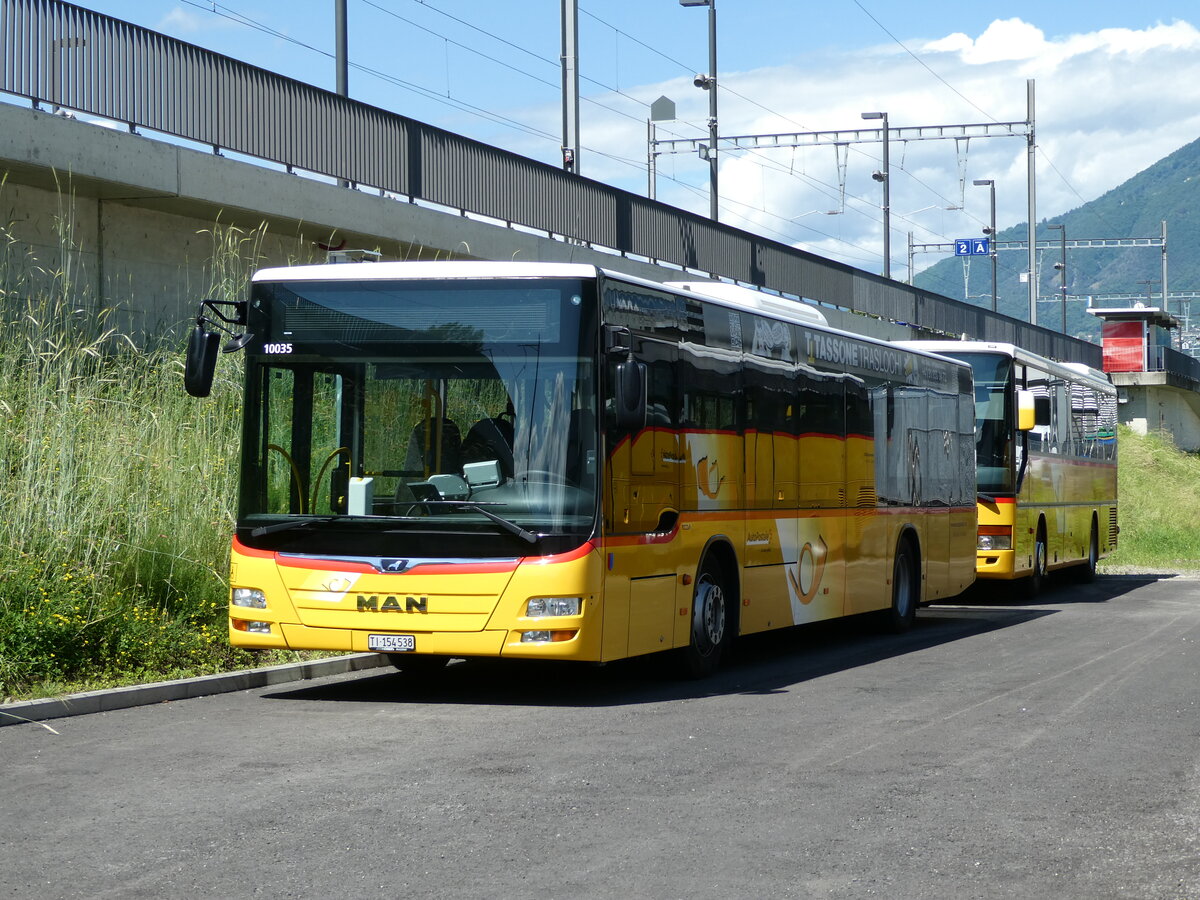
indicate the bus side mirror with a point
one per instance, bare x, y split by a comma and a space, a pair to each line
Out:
631, 395
201, 361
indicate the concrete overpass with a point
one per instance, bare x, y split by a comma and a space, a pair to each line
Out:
138, 220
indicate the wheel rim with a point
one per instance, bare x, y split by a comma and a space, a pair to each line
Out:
708, 623
1039, 559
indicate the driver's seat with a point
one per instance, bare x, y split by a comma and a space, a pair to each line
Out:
490, 439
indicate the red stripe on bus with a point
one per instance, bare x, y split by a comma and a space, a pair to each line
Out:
242, 550
324, 565
464, 568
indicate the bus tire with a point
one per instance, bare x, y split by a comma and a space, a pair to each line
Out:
711, 621
1036, 581
417, 664
1087, 572
906, 581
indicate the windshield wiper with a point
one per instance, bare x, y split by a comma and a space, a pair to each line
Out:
507, 524
512, 527
288, 525
311, 520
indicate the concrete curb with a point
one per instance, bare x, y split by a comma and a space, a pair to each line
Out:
182, 688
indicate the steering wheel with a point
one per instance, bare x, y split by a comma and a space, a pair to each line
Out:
404, 495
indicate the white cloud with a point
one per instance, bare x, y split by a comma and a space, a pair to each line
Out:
180, 20
1004, 40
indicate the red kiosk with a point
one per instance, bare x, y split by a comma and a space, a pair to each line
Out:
1132, 335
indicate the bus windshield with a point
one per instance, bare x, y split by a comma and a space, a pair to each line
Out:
995, 449
420, 418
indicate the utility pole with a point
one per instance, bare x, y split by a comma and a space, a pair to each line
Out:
1164, 274
340, 54
885, 176
708, 83
990, 184
1031, 162
570, 85
341, 57
1062, 270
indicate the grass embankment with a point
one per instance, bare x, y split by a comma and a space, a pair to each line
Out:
1159, 488
116, 494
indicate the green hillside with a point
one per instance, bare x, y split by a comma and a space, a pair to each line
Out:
1168, 190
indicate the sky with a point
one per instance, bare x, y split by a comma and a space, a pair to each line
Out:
1117, 87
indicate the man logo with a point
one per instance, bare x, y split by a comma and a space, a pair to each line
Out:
392, 604
393, 565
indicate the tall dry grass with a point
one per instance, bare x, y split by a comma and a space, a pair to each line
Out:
116, 488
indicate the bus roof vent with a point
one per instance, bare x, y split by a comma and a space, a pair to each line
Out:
752, 299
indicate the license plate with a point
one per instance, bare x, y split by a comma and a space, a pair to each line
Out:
392, 643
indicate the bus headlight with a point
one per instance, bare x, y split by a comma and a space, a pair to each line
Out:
995, 537
250, 597
553, 606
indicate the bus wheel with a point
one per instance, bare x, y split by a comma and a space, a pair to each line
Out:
905, 582
1035, 582
1087, 572
710, 622
417, 664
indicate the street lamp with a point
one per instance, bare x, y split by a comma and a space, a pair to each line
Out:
885, 177
709, 83
990, 231
1061, 265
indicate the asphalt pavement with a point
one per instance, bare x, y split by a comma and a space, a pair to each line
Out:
999, 749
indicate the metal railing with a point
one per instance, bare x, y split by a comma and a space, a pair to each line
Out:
1168, 359
57, 53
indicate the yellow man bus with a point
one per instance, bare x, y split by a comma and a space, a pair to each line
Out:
1046, 446
555, 461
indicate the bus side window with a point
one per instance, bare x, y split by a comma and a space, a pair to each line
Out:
822, 429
